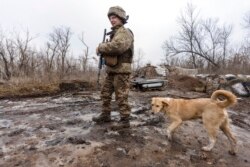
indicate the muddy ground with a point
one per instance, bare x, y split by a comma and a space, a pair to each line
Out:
57, 131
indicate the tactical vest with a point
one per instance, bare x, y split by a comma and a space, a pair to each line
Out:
122, 61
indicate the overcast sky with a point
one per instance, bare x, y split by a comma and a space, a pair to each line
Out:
152, 21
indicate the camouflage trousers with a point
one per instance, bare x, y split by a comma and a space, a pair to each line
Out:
118, 84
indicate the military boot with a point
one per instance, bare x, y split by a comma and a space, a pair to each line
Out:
122, 123
103, 117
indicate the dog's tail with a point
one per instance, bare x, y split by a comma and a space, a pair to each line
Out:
230, 98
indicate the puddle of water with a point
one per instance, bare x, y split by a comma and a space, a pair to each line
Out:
34, 116
37, 103
241, 134
87, 117
5, 123
26, 106
72, 131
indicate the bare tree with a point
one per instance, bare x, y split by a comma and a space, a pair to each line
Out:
202, 39
85, 57
60, 43
138, 59
246, 45
23, 48
51, 51
184, 44
17, 56
7, 55
246, 20
225, 35
213, 40
188, 22
3, 60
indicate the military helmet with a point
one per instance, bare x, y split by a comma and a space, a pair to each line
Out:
118, 11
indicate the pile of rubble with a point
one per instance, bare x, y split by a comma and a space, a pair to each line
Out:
158, 77
147, 78
147, 72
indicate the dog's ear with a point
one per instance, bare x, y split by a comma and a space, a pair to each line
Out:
153, 101
165, 103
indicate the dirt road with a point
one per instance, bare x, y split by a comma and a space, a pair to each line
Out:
58, 132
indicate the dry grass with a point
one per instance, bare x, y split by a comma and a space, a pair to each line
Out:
40, 86
28, 89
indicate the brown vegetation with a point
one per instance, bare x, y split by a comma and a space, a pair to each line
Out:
30, 87
27, 89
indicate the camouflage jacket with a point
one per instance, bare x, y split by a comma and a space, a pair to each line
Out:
121, 44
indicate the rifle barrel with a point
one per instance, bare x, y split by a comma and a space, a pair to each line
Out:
101, 59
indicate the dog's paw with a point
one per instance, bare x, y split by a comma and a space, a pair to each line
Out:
232, 152
206, 148
169, 136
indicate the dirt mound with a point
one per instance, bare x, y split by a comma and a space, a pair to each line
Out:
69, 85
27, 90
186, 83
148, 71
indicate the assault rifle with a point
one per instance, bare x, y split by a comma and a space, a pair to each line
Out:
101, 61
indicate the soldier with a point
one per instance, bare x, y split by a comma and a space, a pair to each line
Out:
118, 54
